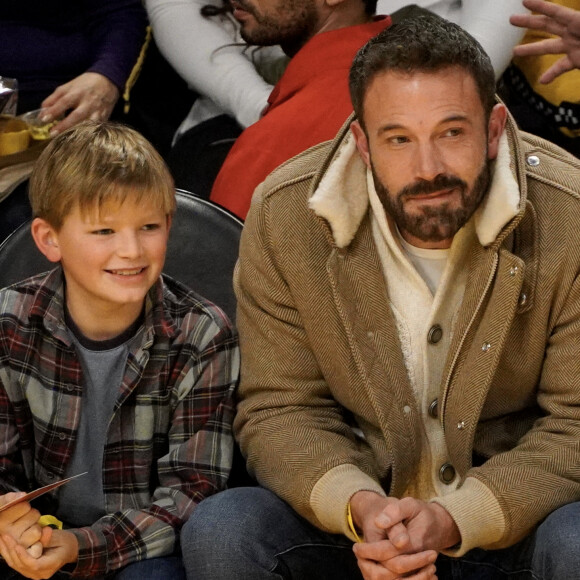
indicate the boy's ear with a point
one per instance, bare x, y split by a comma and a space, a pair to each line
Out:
46, 239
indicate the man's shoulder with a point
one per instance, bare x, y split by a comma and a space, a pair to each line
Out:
550, 224
302, 167
551, 167
289, 187
280, 207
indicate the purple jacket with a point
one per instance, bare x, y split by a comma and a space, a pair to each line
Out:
46, 43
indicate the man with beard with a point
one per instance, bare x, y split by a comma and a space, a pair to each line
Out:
310, 102
409, 317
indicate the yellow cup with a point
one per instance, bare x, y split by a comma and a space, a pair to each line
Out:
14, 135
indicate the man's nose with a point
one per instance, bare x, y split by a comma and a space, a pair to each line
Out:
428, 162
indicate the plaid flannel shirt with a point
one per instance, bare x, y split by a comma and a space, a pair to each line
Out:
169, 443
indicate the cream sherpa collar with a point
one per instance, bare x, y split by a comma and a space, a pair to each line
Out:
341, 197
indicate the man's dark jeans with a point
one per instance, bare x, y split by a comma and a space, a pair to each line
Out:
250, 534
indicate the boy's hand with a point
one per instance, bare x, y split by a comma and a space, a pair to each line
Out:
62, 548
20, 521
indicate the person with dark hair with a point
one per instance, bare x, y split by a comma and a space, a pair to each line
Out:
310, 101
229, 82
409, 319
201, 40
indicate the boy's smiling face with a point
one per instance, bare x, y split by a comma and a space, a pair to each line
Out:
111, 258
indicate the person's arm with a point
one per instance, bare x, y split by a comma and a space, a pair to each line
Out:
196, 466
117, 33
544, 458
489, 23
288, 423
207, 55
19, 522
560, 21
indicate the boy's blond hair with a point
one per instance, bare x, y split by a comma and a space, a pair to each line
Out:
94, 163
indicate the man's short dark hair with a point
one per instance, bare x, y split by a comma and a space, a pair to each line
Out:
425, 43
370, 6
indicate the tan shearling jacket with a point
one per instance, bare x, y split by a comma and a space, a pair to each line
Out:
321, 353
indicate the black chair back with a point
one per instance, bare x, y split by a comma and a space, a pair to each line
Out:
202, 251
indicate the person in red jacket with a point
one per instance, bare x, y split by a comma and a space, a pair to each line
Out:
311, 100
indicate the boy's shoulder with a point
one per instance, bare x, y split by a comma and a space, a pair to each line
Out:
32, 295
185, 306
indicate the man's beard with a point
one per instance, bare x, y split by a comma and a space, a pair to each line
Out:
290, 28
434, 224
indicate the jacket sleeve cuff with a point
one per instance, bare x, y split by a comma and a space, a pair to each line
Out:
332, 492
477, 514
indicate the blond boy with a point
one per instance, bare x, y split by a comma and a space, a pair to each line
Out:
107, 366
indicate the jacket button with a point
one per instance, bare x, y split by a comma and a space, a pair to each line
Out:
447, 473
533, 160
434, 409
435, 334
523, 299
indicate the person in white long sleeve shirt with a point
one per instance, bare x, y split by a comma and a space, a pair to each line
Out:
210, 55
232, 81
486, 20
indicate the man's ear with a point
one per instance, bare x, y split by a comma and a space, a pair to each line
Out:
362, 143
495, 128
46, 239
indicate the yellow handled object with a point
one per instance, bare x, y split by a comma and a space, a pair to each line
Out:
50, 521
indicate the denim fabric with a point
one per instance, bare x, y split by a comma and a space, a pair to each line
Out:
250, 534
168, 568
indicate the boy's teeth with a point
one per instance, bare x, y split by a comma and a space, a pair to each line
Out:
127, 272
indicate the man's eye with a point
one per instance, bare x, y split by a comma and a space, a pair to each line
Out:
103, 232
453, 132
151, 227
398, 140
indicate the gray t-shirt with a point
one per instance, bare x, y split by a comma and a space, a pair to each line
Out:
82, 501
